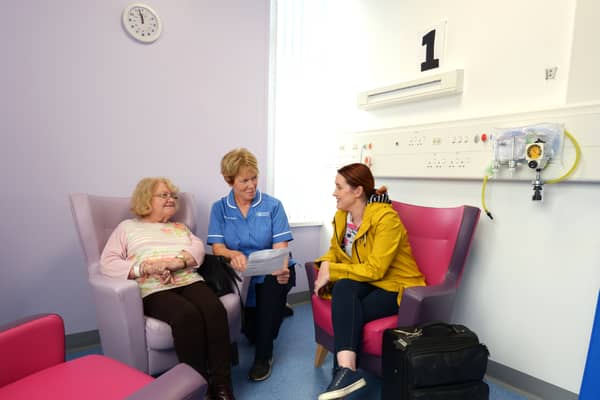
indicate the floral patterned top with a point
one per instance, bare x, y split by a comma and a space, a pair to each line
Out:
134, 241
348, 239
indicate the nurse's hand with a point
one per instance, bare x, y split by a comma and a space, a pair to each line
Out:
238, 260
282, 275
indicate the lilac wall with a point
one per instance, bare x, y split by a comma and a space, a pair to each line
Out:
84, 108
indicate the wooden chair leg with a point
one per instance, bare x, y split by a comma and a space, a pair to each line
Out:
320, 355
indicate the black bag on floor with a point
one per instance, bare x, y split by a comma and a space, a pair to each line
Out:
433, 361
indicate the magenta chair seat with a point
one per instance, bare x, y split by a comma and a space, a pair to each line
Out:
372, 331
90, 377
440, 240
127, 335
33, 367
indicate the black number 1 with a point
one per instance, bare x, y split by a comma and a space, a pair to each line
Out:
428, 42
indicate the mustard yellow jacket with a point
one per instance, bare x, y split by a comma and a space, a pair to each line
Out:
381, 253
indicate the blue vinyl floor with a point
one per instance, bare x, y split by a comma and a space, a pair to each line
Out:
294, 376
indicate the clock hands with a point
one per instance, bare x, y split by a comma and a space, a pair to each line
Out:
142, 23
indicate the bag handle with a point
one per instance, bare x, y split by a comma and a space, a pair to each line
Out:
235, 278
430, 327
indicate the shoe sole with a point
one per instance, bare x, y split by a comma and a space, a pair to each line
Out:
263, 378
336, 394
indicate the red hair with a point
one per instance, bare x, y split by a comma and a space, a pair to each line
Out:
358, 174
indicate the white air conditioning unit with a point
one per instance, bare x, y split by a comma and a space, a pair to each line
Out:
443, 84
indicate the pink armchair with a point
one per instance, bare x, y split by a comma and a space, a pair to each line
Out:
33, 367
119, 310
440, 239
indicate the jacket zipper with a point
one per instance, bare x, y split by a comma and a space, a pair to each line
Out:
356, 250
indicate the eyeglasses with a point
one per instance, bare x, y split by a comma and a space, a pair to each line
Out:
166, 195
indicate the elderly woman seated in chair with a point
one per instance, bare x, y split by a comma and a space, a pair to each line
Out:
162, 257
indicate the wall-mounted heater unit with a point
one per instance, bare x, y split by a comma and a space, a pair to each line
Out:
442, 84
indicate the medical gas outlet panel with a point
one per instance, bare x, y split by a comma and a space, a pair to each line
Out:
500, 147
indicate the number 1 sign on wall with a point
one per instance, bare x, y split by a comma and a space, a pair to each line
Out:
434, 43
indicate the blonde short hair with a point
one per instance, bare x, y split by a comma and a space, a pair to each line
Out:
141, 199
235, 160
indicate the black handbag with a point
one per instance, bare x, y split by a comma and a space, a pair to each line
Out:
219, 275
434, 361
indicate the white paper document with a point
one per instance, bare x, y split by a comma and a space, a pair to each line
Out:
263, 262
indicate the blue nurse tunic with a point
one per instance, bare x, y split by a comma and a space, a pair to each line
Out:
265, 224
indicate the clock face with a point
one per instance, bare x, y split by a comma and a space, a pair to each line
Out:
141, 22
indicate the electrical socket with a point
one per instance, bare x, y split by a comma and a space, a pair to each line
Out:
416, 141
551, 73
448, 162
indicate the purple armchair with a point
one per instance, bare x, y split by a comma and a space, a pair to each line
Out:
126, 334
33, 367
440, 239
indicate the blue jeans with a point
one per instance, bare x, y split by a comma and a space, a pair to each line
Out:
353, 304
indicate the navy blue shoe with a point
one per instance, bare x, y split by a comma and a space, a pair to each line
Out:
261, 370
344, 382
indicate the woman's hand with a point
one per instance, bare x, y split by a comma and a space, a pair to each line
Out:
177, 263
148, 268
154, 267
160, 269
159, 266
323, 277
239, 262
167, 277
282, 275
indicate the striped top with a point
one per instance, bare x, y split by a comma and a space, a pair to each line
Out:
135, 241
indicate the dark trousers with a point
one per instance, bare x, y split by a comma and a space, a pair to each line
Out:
200, 328
261, 323
353, 304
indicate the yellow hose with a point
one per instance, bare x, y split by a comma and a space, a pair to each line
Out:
575, 163
485, 209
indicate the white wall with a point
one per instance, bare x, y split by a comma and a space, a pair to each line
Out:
584, 80
504, 49
84, 108
532, 279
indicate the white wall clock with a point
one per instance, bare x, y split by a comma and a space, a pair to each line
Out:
141, 22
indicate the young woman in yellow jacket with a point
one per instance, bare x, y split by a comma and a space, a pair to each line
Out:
365, 270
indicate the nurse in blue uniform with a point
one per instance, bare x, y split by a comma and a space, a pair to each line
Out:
244, 221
